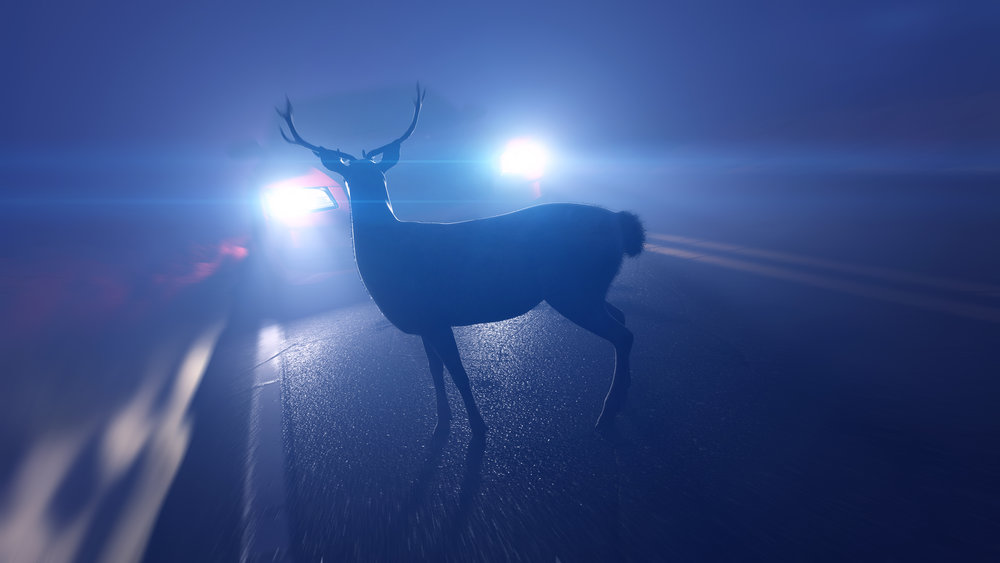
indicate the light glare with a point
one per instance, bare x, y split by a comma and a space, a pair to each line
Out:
524, 157
290, 204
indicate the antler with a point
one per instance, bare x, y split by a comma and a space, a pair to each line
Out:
298, 140
417, 103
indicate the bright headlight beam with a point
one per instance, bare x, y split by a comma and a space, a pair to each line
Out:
524, 157
291, 203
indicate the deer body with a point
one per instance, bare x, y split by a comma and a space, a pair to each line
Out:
429, 277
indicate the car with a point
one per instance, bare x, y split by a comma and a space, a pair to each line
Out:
302, 231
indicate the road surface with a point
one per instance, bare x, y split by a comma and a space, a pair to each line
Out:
783, 407
814, 378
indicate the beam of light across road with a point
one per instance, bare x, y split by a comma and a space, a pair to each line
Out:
902, 297
867, 271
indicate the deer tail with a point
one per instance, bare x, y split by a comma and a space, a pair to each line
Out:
633, 233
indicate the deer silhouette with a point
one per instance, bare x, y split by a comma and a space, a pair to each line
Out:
429, 277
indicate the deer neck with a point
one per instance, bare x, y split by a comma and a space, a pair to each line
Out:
370, 202
372, 220
372, 212
376, 239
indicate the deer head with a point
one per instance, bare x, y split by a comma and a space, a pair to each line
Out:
358, 172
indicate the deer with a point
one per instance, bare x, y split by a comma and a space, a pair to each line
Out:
427, 278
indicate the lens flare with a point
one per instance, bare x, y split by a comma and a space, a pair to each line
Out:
287, 204
524, 157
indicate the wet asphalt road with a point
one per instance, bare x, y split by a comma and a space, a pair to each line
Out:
769, 420
833, 401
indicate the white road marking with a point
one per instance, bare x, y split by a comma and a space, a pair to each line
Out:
266, 534
909, 298
141, 447
168, 444
845, 267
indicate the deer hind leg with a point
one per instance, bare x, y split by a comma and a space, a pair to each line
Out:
607, 321
443, 342
437, 374
615, 312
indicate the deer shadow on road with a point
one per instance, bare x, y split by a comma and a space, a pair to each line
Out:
453, 522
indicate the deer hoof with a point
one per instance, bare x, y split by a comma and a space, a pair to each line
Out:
607, 430
442, 428
605, 424
478, 426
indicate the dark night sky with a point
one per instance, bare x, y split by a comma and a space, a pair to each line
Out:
130, 77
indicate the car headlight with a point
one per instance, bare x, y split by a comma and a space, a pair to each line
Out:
526, 158
291, 203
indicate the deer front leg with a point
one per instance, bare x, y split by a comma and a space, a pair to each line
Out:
437, 374
615, 312
443, 342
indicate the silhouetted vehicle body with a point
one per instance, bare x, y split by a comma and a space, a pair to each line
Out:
429, 277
